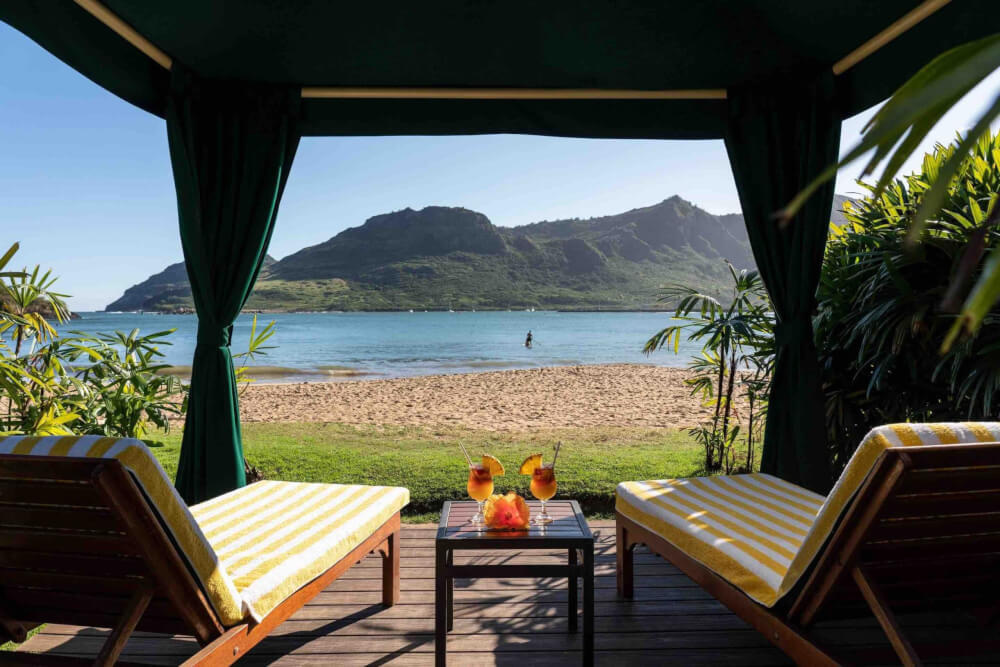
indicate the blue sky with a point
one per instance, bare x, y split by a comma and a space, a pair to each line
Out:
85, 182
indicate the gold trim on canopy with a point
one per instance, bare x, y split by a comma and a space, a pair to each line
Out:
370, 93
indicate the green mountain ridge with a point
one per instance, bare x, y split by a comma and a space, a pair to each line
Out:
450, 257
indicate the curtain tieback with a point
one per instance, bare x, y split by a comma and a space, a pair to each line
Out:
215, 336
793, 331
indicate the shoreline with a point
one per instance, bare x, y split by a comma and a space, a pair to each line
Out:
395, 310
634, 395
287, 375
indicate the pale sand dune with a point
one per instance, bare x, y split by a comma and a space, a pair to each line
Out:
515, 400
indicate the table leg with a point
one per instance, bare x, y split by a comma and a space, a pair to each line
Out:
572, 583
588, 605
440, 607
449, 561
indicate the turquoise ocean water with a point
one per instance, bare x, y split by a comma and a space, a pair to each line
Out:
327, 346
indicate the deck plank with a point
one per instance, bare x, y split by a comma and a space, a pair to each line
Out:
502, 622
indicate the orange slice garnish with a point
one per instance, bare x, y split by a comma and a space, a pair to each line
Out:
493, 464
530, 463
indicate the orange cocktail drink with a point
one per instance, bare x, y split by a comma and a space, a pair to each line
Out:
480, 482
543, 482
480, 486
543, 487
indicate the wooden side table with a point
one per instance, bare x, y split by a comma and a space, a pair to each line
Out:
569, 531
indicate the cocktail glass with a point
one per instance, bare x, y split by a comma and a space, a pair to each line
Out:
543, 487
480, 488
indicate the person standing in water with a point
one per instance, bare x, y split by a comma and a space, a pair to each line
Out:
527, 341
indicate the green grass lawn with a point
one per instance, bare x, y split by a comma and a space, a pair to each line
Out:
429, 462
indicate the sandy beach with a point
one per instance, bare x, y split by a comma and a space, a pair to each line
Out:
513, 400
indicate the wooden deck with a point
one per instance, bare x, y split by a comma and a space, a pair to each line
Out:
504, 622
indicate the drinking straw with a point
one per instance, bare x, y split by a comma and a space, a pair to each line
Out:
467, 457
556, 455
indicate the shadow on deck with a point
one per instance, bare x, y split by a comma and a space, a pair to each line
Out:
503, 622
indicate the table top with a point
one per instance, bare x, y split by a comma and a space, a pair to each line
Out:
567, 528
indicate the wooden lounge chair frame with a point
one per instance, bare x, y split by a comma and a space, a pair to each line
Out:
80, 544
922, 533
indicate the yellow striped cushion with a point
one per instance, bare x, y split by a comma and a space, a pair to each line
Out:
759, 532
146, 470
746, 528
275, 537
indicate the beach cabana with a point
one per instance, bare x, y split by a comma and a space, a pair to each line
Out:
239, 83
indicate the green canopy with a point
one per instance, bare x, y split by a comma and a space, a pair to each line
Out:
606, 44
772, 77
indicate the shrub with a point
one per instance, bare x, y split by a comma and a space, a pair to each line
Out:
122, 391
736, 360
883, 306
103, 384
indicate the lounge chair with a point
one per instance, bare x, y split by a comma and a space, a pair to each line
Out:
913, 524
93, 533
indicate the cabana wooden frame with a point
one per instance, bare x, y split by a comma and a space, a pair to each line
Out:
80, 544
922, 534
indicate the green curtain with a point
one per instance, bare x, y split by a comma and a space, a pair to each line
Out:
779, 139
231, 146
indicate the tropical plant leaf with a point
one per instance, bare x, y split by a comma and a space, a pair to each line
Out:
934, 198
980, 301
912, 111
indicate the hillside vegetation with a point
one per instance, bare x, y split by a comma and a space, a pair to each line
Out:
444, 257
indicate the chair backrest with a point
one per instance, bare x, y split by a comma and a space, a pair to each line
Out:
862, 466
78, 540
925, 527
174, 515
